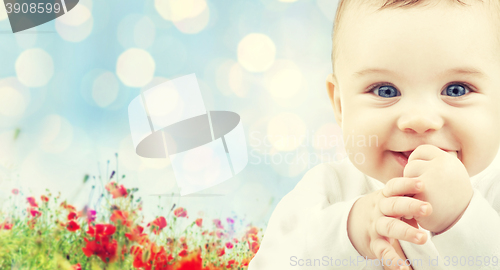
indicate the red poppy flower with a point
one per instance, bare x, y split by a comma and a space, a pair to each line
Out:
15, 191
105, 249
254, 246
198, 222
32, 201
183, 253
77, 266
245, 262
221, 251
71, 216
180, 212
230, 263
158, 224
72, 226
229, 245
45, 198
102, 230
116, 190
157, 257
121, 216
34, 212
5, 226
136, 234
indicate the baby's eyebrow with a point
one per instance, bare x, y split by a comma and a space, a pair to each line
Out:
470, 71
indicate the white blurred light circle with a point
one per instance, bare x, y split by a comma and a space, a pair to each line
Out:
144, 32
286, 131
34, 67
193, 25
56, 134
135, 67
12, 102
105, 89
3, 13
284, 79
75, 33
256, 52
177, 10
77, 16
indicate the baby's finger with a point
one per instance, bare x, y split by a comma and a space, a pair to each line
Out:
401, 206
415, 168
400, 186
395, 228
386, 252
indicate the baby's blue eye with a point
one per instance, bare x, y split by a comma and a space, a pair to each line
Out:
455, 90
387, 91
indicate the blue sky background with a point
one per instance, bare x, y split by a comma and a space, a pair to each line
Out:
62, 87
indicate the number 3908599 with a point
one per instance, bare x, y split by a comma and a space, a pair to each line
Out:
33, 8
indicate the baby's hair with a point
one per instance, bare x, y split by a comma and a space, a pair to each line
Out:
344, 5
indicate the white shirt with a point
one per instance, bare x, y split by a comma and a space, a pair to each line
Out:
308, 228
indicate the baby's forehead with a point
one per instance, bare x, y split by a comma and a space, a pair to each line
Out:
351, 12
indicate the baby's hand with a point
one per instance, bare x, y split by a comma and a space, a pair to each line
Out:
374, 222
448, 188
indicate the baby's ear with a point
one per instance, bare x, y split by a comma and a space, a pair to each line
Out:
334, 94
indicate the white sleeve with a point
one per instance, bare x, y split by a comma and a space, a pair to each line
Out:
306, 230
476, 235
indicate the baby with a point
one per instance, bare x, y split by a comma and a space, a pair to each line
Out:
423, 78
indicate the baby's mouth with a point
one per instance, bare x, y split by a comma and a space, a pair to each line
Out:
407, 153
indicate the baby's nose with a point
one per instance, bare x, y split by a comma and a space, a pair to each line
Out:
420, 121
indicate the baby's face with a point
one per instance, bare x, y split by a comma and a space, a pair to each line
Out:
426, 75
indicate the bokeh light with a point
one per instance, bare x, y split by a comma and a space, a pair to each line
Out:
256, 52
193, 25
177, 10
3, 13
76, 25
105, 89
34, 67
12, 102
14, 98
135, 67
284, 79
